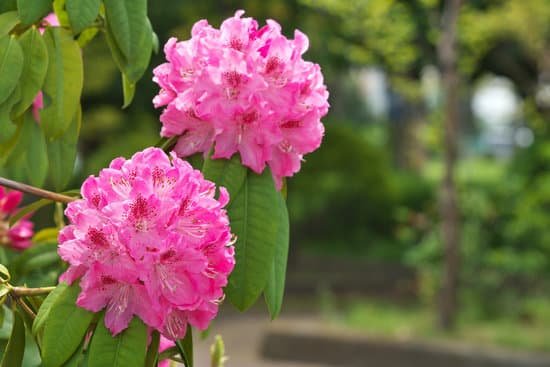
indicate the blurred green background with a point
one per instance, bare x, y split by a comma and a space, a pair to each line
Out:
371, 191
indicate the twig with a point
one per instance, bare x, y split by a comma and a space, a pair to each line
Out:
23, 291
35, 191
25, 307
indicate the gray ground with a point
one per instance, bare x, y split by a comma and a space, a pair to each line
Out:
243, 337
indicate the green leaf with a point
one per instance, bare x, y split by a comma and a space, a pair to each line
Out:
37, 153
127, 19
116, 53
34, 257
156, 45
61, 13
28, 209
31, 11
128, 89
76, 358
254, 219
42, 261
126, 349
185, 347
65, 327
130, 37
62, 154
29, 156
275, 287
63, 84
34, 68
153, 350
8, 20
45, 308
8, 128
86, 36
7, 147
138, 61
46, 235
8, 5
11, 65
4, 274
13, 355
229, 173
82, 13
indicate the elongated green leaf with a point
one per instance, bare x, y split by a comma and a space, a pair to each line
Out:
45, 308
131, 40
275, 287
118, 57
185, 347
156, 45
7, 126
254, 219
126, 349
62, 154
63, 83
61, 13
140, 54
229, 173
32, 257
7, 147
36, 154
82, 13
13, 355
128, 89
77, 357
8, 20
153, 350
28, 210
11, 65
46, 235
65, 327
86, 36
127, 19
42, 261
31, 11
34, 68
8, 5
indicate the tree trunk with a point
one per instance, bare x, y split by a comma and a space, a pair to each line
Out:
450, 215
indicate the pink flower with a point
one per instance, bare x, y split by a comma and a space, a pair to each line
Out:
18, 236
149, 238
242, 89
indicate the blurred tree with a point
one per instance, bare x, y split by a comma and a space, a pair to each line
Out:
448, 57
505, 37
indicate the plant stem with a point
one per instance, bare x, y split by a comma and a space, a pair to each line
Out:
23, 291
166, 145
25, 307
35, 191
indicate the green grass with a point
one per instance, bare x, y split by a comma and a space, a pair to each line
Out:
419, 323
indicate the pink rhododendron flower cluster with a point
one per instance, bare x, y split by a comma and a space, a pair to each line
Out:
149, 238
242, 89
18, 236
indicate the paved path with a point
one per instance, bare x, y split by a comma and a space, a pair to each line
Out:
243, 336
